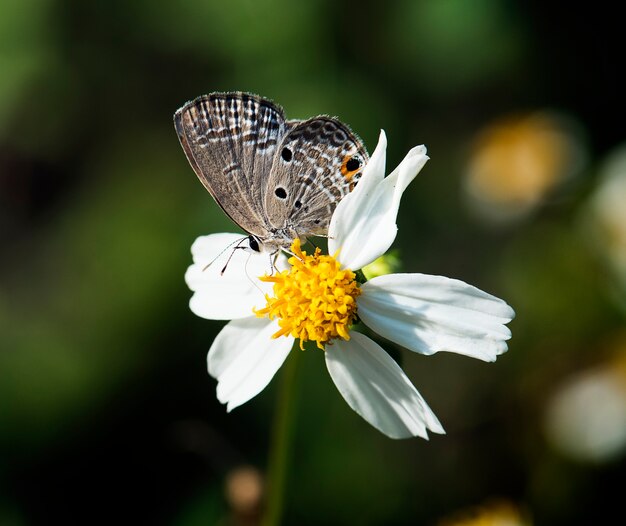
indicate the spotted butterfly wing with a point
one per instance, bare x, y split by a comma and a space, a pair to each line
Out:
230, 140
317, 163
276, 179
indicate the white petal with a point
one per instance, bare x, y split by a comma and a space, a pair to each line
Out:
244, 358
428, 314
234, 293
347, 212
373, 384
363, 226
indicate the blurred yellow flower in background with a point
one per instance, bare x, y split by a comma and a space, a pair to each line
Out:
244, 486
500, 513
516, 162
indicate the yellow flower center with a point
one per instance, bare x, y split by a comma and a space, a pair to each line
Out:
314, 300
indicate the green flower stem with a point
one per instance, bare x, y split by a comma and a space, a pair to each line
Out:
282, 437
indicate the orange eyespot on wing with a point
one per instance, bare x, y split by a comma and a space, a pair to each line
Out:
350, 165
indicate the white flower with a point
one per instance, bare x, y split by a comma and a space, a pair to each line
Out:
425, 314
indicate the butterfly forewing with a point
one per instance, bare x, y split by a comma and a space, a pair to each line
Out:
230, 140
316, 164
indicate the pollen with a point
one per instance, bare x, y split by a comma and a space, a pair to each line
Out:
314, 299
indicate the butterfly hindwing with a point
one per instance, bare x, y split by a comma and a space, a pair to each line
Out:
230, 140
318, 162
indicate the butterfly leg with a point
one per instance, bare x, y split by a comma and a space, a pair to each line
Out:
273, 259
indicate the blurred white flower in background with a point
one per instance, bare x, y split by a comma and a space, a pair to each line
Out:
586, 416
605, 216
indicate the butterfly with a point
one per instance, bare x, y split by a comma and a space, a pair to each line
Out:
277, 179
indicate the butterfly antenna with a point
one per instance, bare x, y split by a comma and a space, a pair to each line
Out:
225, 249
232, 254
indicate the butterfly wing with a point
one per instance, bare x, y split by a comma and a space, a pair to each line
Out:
317, 163
230, 140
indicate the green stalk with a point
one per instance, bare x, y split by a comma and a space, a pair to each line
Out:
282, 439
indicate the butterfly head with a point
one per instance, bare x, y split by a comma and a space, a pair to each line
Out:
269, 245
253, 244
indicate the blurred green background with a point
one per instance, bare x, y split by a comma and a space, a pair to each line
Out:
107, 413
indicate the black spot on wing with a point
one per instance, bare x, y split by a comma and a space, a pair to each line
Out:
286, 154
